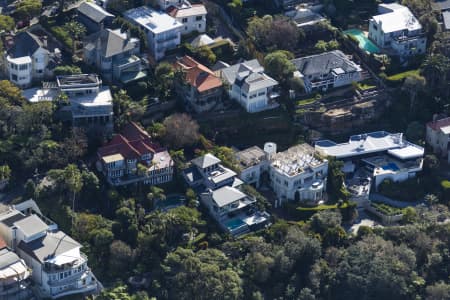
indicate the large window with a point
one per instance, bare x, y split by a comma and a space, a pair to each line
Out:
23, 67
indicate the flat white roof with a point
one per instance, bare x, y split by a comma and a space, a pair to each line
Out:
35, 95
103, 98
152, 20
399, 19
372, 142
194, 10
445, 129
20, 60
112, 158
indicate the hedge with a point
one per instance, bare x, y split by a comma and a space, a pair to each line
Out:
304, 212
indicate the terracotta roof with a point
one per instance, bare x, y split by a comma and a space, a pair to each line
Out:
2, 243
439, 123
131, 143
198, 75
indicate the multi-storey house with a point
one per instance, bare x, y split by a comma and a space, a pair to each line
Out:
252, 162
162, 31
397, 31
192, 16
327, 70
132, 157
250, 86
200, 88
438, 136
94, 17
115, 55
58, 266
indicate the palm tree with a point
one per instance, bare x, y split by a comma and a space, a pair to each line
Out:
413, 85
435, 68
73, 180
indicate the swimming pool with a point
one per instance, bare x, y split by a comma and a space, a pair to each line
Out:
390, 166
364, 42
234, 224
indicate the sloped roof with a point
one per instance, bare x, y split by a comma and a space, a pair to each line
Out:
197, 75
205, 161
249, 75
227, 195
31, 225
131, 143
25, 44
93, 11
325, 63
112, 42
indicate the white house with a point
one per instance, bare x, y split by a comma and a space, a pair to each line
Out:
298, 174
58, 267
234, 210
162, 31
29, 58
192, 16
397, 31
14, 274
250, 86
327, 70
252, 162
207, 172
438, 136
381, 155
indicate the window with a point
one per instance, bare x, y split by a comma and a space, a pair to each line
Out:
198, 18
184, 20
23, 67
14, 77
199, 25
39, 71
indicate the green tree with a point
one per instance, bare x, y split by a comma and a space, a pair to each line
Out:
335, 183
321, 46
66, 70
29, 8
278, 64
6, 23
415, 132
413, 85
438, 291
76, 31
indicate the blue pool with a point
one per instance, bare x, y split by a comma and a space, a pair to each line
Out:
390, 166
363, 41
235, 223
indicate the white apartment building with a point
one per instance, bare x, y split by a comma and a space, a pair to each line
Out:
298, 174
327, 70
396, 30
192, 16
438, 136
381, 155
58, 267
162, 31
250, 86
28, 59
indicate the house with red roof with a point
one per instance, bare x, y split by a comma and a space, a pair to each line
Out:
438, 135
131, 157
201, 89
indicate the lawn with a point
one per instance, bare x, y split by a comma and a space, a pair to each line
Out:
365, 85
306, 101
403, 75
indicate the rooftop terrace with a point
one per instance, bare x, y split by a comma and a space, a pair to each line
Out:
296, 160
373, 142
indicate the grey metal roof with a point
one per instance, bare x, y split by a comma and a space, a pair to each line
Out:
226, 174
93, 11
324, 63
25, 44
7, 258
446, 17
206, 160
227, 195
441, 4
13, 217
231, 73
48, 246
111, 42
31, 225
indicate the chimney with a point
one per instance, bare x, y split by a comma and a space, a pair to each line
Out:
128, 33
43, 39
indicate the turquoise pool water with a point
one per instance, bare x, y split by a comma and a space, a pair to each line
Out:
391, 166
364, 42
235, 223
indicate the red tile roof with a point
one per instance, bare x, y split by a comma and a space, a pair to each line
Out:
172, 11
198, 75
438, 124
2, 243
131, 143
